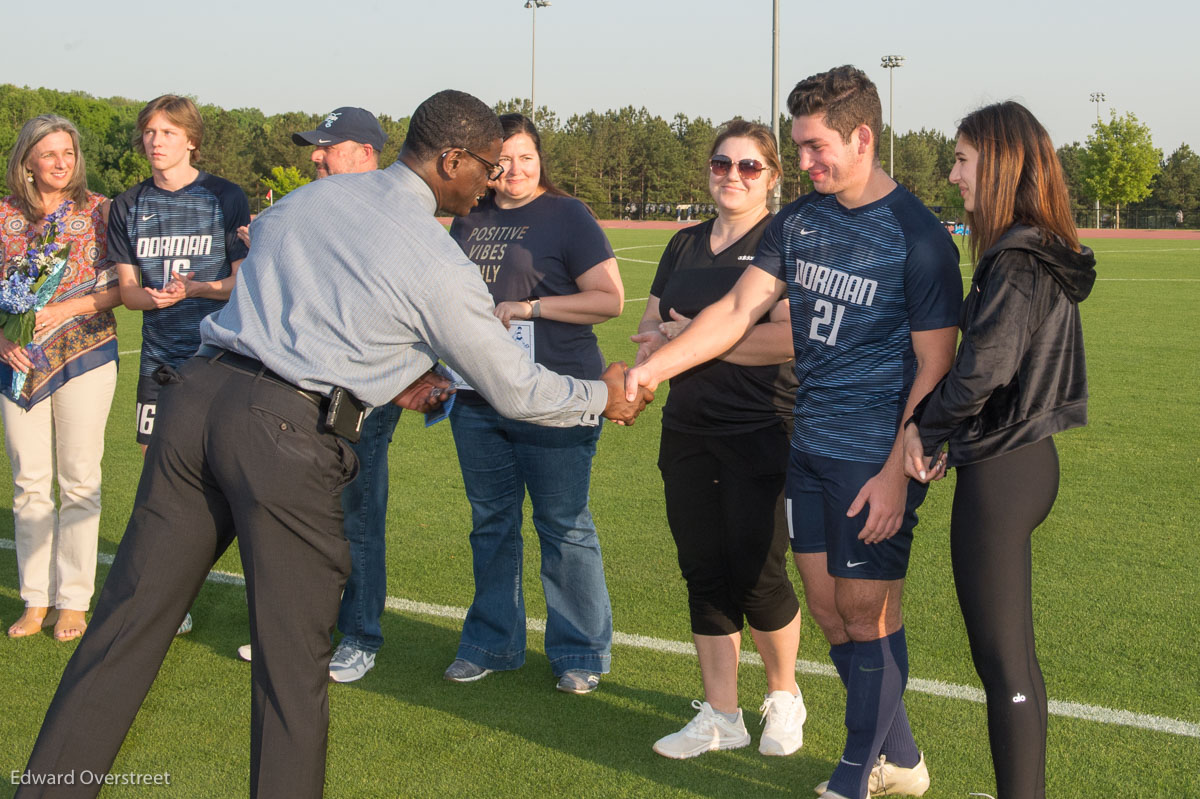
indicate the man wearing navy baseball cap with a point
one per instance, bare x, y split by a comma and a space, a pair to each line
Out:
348, 140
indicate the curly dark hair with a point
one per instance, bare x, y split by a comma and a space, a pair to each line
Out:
451, 119
845, 95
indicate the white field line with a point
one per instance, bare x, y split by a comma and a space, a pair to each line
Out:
638, 247
1138, 279
945, 690
1148, 249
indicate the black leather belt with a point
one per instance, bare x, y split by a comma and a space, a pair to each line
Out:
244, 363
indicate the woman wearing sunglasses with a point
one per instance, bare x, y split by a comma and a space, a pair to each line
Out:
723, 458
1019, 378
552, 273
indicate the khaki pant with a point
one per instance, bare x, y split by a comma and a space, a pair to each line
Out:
64, 433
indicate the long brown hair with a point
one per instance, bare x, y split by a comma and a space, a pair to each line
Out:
25, 193
515, 123
519, 123
1018, 179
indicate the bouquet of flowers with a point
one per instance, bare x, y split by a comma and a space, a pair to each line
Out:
30, 281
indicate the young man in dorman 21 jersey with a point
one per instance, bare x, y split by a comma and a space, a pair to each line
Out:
874, 289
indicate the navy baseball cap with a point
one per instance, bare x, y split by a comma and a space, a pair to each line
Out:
345, 124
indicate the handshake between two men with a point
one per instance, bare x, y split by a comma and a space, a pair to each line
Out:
430, 390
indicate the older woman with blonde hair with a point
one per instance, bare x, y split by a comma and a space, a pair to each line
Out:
54, 428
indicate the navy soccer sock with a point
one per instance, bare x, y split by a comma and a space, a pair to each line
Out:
841, 654
877, 676
899, 745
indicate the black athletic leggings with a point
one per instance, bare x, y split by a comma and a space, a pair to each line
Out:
997, 504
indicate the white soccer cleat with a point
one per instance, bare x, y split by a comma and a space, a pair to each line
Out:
889, 779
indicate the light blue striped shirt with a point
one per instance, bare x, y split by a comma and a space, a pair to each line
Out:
352, 281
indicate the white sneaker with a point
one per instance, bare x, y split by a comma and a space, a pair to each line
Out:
889, 779
350, 663
783, 723
706, 732
245, 652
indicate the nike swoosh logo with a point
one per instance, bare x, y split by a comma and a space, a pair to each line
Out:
148, 217
804, 232
850, 565
324, 141
864, 668
848, 763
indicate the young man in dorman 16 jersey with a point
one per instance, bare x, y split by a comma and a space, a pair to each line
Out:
174, 240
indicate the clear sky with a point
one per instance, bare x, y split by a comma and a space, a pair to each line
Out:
707, 58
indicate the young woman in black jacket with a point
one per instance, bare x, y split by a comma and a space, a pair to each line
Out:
1018, 378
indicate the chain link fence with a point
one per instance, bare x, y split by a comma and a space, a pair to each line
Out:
1137, 217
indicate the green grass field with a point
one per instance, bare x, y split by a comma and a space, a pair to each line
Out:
1115, 582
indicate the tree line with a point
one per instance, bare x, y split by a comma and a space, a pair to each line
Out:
624, 163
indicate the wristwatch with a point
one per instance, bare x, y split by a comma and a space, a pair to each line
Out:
535, 307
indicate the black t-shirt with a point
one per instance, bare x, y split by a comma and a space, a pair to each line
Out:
539, 250
717, 397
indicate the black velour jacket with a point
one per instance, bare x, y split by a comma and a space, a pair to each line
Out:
1019, 375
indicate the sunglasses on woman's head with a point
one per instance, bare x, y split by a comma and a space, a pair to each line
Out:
748, 168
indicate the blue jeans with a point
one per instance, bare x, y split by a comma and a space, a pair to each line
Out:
364, 505
500, 460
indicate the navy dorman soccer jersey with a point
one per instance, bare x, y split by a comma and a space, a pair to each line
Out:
859, 281
192, 230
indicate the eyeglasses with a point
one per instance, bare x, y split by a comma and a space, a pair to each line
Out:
748, 168
494, 170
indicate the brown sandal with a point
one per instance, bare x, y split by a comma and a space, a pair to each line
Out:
70, 625
31, 622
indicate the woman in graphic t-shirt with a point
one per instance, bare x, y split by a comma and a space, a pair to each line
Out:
553, 275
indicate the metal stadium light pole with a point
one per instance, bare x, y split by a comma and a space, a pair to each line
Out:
778, 192
1097, 98
890, 62
535, 5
